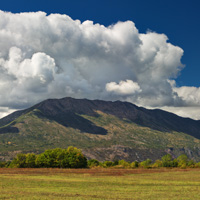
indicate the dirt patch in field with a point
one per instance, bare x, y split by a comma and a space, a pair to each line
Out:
92, 172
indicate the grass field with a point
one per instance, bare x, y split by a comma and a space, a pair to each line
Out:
100, 184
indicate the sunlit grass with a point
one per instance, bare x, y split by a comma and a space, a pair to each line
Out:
99, 184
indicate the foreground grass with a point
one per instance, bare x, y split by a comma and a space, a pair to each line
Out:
99, 184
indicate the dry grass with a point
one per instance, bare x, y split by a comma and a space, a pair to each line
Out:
95, 171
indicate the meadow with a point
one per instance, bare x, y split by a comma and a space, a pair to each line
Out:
100, 183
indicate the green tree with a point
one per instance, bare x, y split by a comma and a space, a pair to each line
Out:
146, 163
62, 159
191, 164
167, 161
49, 158
134, 164
157, 164
175, 163
41, 161
75, 158
108, 164
2, 164
19, 161
124, 164
30, 160
93, 163
182, 161
197, 165
116, 162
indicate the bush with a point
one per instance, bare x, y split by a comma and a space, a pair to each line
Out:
191, 164
157, 164
93, 163
108, 164
30, 160
3, 164
167, 160
134, 164
75, 158
197, 165
124, 164
182, 160
175, 163
145, 163
183, 166
48, 158
116, 162
19, 161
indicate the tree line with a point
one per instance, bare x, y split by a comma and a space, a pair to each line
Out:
166, 161
73, 157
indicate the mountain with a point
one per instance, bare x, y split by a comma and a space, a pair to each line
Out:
104, 130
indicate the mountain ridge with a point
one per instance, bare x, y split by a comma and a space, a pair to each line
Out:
102, 129
156, 119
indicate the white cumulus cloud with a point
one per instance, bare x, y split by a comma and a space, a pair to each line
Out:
190, 95
52, 56
127, 87
184, 111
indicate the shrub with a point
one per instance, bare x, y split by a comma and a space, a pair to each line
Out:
116, 162
145, 163
75, 158
2, 164
183, 166
30, 160
182, 160
157, 164
19, 161
93, 163
175, 163
191, 164
108, 164
124, 164
134, 164
197, 165
48, 158
167, 161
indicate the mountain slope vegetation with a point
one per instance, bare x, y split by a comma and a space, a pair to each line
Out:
103, 130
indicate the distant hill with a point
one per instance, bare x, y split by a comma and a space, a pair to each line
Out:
104, 130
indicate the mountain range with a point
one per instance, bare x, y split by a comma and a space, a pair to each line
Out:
104, 130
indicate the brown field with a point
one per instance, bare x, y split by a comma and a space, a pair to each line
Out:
94, 171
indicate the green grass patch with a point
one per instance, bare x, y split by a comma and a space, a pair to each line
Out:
99, 184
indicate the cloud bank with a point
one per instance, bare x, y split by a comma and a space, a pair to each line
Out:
52, 56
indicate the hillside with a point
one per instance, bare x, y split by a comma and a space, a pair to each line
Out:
103, 130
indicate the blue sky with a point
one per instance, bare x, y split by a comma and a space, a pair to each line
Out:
52, 56
178, 19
